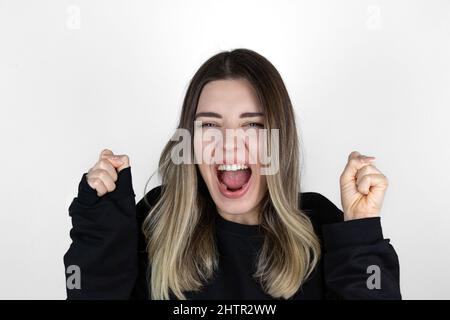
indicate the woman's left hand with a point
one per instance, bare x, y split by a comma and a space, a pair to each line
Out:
362, 188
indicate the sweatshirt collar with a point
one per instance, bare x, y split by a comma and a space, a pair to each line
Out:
237, 228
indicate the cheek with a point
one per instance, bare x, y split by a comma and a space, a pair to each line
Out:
205, 172
198, 148
204, 169
261, 180
204, 149
256, 148
261, 185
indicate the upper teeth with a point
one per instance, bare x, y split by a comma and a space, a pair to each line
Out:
232, 167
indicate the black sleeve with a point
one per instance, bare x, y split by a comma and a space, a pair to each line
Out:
358, 262
104, 241
143, 207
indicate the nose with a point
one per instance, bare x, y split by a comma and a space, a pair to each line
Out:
234, 149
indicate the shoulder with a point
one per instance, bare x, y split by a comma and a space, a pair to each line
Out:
319, 208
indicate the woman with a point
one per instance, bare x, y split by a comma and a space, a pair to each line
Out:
219, 226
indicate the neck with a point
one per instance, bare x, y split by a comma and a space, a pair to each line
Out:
249, 218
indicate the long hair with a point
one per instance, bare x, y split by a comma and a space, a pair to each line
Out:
179, 228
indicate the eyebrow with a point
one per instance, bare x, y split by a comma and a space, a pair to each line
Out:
251, 114
207, 114
216, 115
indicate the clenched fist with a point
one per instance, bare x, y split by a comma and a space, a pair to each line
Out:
362, 187
103, 175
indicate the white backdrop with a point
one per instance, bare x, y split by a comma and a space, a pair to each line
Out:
80, 76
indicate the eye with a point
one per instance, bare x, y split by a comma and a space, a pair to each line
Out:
208, 125
255, 125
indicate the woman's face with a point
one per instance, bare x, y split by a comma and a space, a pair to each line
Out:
230, 166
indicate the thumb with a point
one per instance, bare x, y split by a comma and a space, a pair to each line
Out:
125, 162
119, 162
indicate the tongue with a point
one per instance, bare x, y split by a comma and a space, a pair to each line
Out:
235, 179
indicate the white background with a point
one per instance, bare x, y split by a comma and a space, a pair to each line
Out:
79, 76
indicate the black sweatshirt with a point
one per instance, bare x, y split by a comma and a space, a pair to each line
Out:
110, 251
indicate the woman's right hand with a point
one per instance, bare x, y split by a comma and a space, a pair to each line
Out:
103, 175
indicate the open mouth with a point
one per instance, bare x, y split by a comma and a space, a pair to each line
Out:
234, 179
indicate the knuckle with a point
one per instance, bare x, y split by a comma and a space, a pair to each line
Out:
353, 161
103, 174
95, 171
95, 182
103, 163
92, 170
